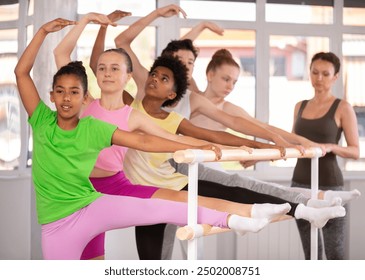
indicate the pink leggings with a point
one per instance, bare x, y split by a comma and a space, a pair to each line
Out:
117, 184
66, 238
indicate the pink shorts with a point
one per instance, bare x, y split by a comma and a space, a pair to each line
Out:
117, 184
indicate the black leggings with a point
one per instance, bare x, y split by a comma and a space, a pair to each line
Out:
149, 239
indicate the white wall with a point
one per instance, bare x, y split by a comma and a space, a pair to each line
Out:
15, 217
357, 223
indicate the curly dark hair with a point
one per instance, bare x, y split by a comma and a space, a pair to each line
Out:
180, 73
73, 68
176, 45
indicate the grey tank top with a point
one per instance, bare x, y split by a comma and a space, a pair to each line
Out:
321, 130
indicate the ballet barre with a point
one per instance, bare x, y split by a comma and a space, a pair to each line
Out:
193, 230
190, 233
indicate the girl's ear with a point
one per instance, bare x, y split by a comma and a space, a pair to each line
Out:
86, 97
335, 77
129, 76
209, 76
51, 96
172, 95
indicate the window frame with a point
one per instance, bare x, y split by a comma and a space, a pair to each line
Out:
21, 24
263, 30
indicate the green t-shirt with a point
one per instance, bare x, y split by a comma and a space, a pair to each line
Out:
62, 162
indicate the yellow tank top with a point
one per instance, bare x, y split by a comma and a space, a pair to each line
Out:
153, 169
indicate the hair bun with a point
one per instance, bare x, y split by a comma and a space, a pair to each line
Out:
222, 53
77, 64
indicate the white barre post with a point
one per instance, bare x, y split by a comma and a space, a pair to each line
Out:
192, 253
193, 157
314, 194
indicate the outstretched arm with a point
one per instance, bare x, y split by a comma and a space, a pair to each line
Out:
283, 135
62, 52
27, 90
156, 144
235, 120
288, 136
125, 39
222, 137
99, 44
200, 27
140, 122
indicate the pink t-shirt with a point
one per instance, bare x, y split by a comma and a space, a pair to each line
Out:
110, 158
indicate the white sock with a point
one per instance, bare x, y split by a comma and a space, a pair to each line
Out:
319, 216
269, 211
346, 196
319, 203
242, 225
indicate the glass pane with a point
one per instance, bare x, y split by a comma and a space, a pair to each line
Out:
137, 8
289, 78
241, 43
9, 12
354, 16
30, 32
30, 148
9, 102
31, 8
353, 70
9, 127
9, 45
144, 46
299, 14
220, 10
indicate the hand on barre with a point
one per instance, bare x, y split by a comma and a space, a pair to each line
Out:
248, 163
215, 148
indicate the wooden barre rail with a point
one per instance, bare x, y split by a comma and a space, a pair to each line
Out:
189, 156
189, 233
193, 230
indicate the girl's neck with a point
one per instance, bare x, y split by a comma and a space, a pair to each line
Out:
112, 101
68, 124
212, 97
153, 108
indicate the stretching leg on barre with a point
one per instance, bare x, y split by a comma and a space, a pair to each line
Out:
291, 194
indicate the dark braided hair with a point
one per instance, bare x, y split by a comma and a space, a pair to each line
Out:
73, 68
